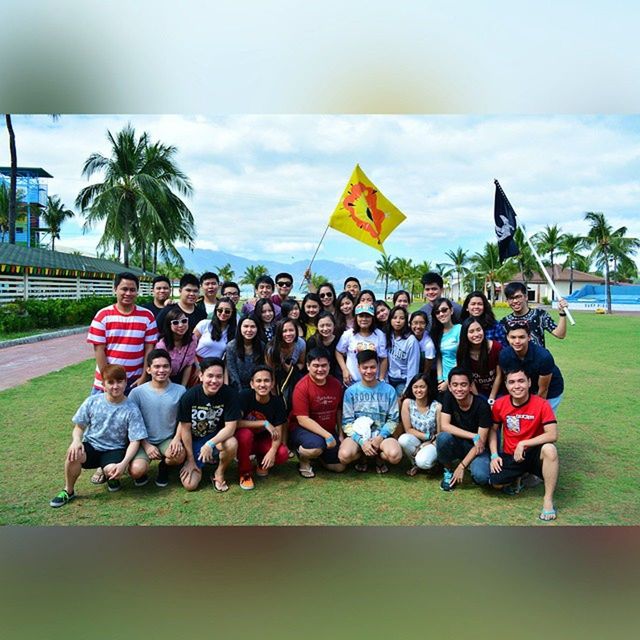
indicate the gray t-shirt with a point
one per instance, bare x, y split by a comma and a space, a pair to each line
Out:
109, 426
159, 409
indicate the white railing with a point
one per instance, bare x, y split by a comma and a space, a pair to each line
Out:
25, 287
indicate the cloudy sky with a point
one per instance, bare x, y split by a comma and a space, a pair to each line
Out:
265, 186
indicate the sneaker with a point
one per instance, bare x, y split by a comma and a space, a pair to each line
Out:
246, 482
61, 499
114, 485
446, 480
162, 479
262, 473
140, 482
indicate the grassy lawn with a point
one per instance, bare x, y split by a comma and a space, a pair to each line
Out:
598, 446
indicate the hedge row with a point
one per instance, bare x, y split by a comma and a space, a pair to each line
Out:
23, 315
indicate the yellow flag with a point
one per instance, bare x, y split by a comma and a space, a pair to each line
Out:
364, 213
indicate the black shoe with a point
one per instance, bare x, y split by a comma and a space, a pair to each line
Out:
114, 485
140, 482
162, 479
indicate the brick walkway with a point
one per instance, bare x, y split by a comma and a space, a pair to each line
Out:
26, 361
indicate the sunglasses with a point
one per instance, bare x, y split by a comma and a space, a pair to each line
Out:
222, 310
442, 310
284, 283
177, 323
326, 295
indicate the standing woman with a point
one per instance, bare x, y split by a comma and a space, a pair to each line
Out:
402, 298
327, 295
418, 323
477, 306
344, 313
244, 353
213, 335
265, 315
285, 355
382, 315
420, 416
366, 296
311, 306
326, 339
178, 339
363, 336
446, 336
403, 349
291, 309
480, 356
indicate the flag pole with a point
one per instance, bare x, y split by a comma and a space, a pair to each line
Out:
315, 253
544, 271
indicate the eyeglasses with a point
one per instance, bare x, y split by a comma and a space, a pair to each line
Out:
442, 310
223, 310
518, 296
176, 323
284, 283
326, 295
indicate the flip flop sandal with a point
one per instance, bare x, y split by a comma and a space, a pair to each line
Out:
306, 473
98, 478
413, 471
362, 467
219, 485
381, 468
547, 515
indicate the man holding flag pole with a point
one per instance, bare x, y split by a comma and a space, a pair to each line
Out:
539, 319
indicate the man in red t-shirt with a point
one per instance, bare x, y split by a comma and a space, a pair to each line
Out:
314, 423
529, 429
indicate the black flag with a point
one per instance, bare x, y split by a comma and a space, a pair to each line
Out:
505, 219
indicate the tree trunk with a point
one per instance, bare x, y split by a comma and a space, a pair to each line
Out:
571, 280
607, 284
155, 256
125, 243
143, 255
13, 181
553, 294
53, 242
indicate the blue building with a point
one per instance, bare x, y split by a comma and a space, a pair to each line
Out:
32, 196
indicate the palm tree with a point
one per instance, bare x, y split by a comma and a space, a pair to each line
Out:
384, 269
526, 261
487, 265
459, 259
5, 197
13, 180
226, 272
570, 248
402, 271
53, 215
252, 273
599, 239
316, 280
621, 250
445, 271
549, 240
137, 198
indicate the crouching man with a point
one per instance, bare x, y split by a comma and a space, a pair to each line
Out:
529, 429
107, 433
369, 418
207, 420
158, 403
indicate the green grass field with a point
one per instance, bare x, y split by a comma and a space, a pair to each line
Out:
598, 446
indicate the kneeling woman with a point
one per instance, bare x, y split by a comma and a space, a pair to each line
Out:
480, 356
420, 415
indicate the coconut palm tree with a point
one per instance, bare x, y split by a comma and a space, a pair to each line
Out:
570, 249
226, 272
487, 266
137, 198
252, 273
13, 180
384, 269
402, 270
526, 261
53, 215
599, 239
459, 258
549, 241
5, 198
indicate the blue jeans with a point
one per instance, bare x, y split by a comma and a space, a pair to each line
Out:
452, 448
555, 402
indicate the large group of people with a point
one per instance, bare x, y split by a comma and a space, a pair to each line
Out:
336, 379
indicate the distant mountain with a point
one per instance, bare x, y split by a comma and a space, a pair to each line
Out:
200, 260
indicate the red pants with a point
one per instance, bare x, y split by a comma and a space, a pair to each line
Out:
258, 443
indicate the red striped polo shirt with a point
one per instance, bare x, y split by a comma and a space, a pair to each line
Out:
125, 337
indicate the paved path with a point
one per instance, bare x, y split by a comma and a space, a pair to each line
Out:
26, 361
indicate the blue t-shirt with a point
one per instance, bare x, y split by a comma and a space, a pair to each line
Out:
449, 349
537, 362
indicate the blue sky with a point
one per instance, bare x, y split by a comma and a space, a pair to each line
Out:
265, 186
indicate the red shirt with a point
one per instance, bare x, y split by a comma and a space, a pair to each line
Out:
523, 422
320, 403
124, 337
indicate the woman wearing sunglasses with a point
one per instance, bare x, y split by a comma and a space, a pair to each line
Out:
178, 339
213, 335
446, 336
327, 295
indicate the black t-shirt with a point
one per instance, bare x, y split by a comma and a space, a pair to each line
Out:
153, 308
478, 416
315, 342
274, 411
199, 313
207, 414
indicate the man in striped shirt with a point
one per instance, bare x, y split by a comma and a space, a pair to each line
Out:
123, 333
